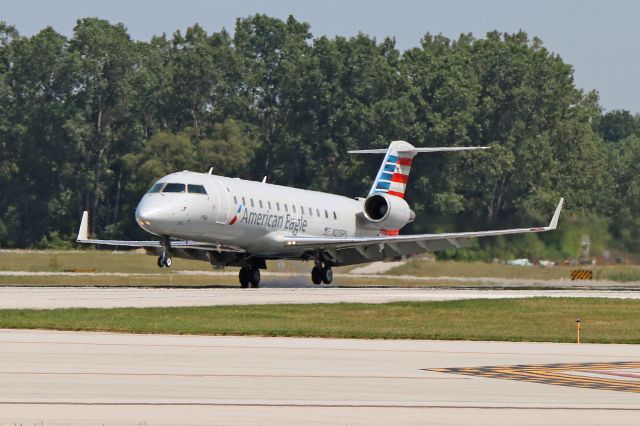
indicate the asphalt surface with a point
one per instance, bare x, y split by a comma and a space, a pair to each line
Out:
108, 297
103, 378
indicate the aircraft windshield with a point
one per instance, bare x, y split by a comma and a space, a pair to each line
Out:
155, 188
196, 189
174, 187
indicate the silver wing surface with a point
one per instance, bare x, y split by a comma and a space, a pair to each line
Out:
151, 244
368, 249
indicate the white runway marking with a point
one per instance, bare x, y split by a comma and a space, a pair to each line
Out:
106, 297
107, 378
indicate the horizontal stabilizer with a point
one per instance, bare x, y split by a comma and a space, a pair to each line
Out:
416, 150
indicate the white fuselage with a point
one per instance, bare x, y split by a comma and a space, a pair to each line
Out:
253, 216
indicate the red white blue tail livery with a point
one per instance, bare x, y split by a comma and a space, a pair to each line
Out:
393, 175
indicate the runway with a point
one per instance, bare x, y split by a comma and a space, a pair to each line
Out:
108, 297
104, 378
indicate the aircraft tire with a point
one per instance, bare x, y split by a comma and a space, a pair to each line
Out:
244, 277
327, 275
160, 262
316, 275
167, 261
254, 277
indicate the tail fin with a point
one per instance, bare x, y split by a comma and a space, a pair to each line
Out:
393, 175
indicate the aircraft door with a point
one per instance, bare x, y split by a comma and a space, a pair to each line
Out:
221, 203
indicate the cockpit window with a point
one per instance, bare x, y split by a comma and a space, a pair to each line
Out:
174, 187
155, 188
196, 189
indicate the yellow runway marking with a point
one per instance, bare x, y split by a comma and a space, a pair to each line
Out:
560, 374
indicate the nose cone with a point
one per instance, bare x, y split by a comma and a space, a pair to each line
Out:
151, 215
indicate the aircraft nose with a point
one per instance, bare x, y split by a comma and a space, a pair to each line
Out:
150, 215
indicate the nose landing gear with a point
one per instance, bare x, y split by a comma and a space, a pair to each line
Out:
165, 257
164, 260
321, 273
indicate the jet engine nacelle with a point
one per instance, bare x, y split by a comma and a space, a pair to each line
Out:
387, 211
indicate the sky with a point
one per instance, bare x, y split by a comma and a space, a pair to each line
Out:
599, 38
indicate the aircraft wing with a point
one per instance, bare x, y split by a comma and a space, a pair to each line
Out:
84, 230
407, 244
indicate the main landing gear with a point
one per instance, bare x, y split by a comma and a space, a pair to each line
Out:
249, 275
321, 274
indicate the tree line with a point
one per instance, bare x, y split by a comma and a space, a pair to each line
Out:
88, 122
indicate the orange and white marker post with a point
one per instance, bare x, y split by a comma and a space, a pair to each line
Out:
578, 329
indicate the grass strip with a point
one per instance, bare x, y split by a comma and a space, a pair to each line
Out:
535, 319
420, 268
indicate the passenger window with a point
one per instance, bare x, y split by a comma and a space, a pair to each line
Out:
318, 212
278, 206
155, 188
251, 199
174, 187
326, 214
243, 201
235, 200
301, 209
310, 211
196, 189
286, 208
269, 204
260, 202
294, 208
335, 216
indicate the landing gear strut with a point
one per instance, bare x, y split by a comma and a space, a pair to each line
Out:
321, 273
165, 257
249, 275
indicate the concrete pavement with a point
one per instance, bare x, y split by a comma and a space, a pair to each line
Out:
106, 378
112, 297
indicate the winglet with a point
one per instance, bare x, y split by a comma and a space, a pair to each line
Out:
83, 232
556, 215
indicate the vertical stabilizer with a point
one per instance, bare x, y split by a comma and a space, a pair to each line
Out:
393, 175
394, 171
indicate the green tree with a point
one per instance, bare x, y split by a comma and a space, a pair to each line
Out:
103, 127
617, 125
36, 155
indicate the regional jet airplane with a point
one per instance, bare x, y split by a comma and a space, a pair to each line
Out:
230, 221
